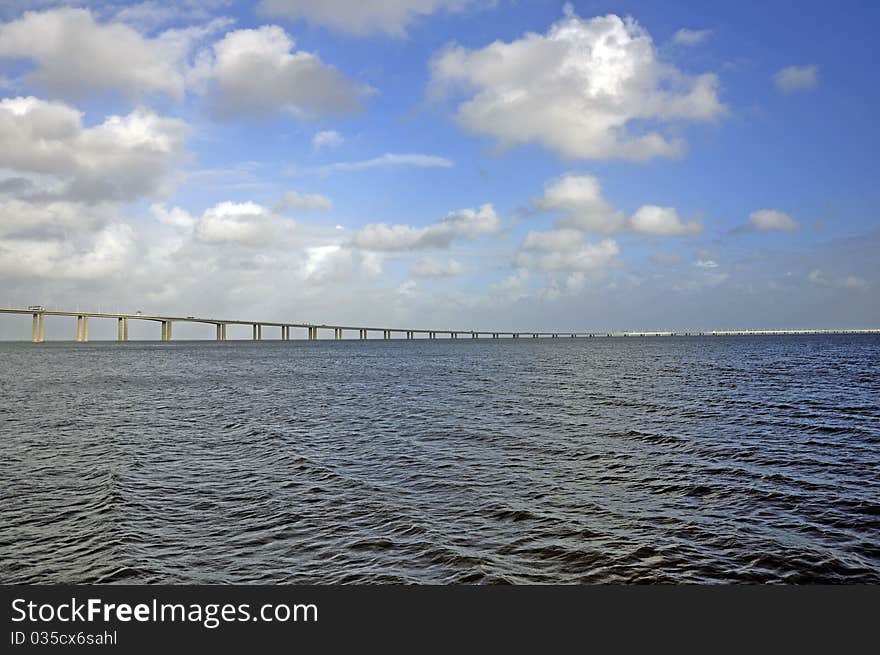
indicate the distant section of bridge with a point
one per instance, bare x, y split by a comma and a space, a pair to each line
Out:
40, 313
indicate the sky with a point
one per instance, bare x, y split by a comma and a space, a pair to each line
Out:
459, 164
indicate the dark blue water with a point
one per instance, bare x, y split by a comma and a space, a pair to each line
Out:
713, 459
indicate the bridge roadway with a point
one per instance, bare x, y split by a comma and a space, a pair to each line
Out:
166, 323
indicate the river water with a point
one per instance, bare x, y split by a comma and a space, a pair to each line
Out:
666, 460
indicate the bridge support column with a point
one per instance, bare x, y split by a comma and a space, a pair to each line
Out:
259, 332
313, 333
432, 335
409, 334
119, 335
254, 337
85, 329
42, 329
125, 329
35, 330
79, 328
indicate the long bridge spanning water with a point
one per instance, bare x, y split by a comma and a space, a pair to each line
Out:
166, 323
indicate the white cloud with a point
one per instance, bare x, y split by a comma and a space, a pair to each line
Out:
243, 223
175, 217
661, 221
74, 54
578, 90
384, 161
296, 200
687, 37
796, 78
429, 267
764, 220
121, 159
581, 258
360, 17
706, 263
256, 72
89, 257
465, 223
327, 139
580, 198
558, 240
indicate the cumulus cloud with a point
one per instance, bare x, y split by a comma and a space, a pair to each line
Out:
764, 220
243, 223
257, 72
327, 139
687, 37
74, 54
359, 17
121, 159
578, 257
661, 221
578, 90
465, 223
296, 200
433, 268
89, 256
792, 79
579, 198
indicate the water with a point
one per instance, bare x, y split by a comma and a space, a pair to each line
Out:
740, 459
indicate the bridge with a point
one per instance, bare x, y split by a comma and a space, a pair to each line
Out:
166, 324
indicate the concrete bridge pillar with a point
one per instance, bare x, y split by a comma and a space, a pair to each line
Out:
313, 333
85, 332
409, 334
432, 335
42, 331
254, 330
119, 334
35, 330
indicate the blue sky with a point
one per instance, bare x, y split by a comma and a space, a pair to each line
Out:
528, 165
